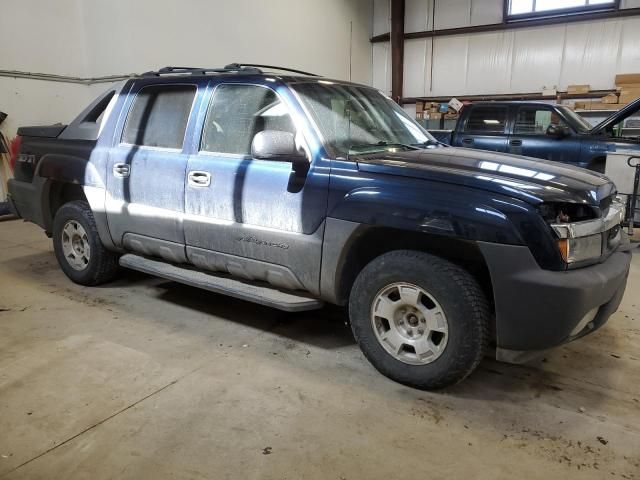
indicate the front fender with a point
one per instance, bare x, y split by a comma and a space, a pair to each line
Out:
434, 208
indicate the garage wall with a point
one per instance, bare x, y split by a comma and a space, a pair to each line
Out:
516, 61
50, 41
92, 38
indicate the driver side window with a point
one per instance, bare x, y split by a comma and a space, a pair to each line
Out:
237, 113
535, 121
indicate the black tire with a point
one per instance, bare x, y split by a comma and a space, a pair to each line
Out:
598, 165
460, 297
102, 265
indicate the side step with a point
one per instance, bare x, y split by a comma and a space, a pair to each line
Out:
243, 289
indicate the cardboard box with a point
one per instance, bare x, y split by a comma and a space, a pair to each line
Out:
604, 106
611, 98
419, 107
625, 86
578, 89
456, 104
597, 106
628, 97
627, 78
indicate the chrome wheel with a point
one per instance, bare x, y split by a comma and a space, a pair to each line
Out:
409, 323
75, 245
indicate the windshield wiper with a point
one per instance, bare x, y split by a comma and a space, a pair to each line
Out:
381, 144
430, 142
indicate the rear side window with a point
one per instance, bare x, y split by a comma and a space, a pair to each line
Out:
159, 116
237, 112
487, 120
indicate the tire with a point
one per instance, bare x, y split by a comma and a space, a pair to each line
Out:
96, 265
598, 165
455, 326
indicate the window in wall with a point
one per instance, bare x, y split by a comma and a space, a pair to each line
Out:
159, 116
535, 121
237, 112
532, 7
487, 120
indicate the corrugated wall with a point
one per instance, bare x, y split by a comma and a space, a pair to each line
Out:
514, 61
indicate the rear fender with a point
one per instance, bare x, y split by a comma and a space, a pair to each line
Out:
69, 169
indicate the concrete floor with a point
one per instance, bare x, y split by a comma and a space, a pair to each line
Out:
145, 378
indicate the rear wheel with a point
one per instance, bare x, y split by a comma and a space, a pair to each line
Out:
78, 248
419, 319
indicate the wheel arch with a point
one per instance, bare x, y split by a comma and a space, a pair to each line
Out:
350, 247
597, 164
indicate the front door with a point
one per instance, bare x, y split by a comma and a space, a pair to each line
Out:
256, 219
530, 137
146, 172
486, 128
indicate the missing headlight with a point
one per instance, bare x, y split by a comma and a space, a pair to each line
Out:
566, 212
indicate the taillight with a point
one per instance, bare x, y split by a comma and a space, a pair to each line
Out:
14, 151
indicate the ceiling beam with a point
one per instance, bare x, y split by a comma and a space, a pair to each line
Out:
511, 25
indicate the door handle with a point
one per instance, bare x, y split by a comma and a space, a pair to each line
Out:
197, 178
516, 143
467, 141
121, 170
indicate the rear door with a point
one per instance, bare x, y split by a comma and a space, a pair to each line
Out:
146, 171
485, 128
530, 137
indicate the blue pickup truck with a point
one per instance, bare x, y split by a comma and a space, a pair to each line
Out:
540, 130
292, 190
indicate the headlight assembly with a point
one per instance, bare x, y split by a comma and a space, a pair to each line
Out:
587, 240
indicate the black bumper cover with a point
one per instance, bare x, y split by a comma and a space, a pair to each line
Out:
538, 309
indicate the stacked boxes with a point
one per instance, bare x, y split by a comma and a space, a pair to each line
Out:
628, 86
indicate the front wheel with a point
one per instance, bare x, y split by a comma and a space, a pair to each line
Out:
419, 319
78, 248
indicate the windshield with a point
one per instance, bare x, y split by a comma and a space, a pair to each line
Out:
579, 123
359, 120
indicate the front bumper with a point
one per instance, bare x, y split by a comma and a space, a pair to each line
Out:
539, 309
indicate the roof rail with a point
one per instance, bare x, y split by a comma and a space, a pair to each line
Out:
272, 67
201, 71
248, 68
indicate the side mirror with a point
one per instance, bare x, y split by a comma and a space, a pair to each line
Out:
276, 145
557, 131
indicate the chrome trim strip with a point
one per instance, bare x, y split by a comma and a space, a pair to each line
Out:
614, 217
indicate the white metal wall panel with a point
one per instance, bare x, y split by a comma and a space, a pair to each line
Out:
537, 58
418, 15
381, 17
450, 65
486, 12
591, 54
629, 58
452, 14
410, 108
489, 62
630, 4
417, 64
382, 67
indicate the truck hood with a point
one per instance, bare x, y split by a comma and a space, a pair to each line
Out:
617, 117
531, 180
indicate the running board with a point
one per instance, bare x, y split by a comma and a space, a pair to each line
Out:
243, 289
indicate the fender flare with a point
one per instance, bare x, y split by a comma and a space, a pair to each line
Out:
69, 169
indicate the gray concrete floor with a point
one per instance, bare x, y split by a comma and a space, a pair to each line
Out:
145, 378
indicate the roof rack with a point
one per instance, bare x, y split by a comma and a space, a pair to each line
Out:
272, 67
247, 68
